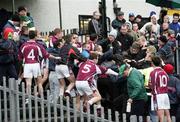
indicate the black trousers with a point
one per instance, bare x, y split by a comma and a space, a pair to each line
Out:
8, 71
137, 108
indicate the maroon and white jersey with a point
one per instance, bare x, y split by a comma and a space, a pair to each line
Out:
87, 71
30, 52
158, 81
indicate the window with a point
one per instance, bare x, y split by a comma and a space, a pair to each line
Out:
83, 24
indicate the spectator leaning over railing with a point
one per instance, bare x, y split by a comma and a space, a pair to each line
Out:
136, 90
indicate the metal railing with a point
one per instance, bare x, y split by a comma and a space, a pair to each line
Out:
14, 108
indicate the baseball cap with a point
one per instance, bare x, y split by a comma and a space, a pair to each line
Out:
120, 13
168, 68
131, 14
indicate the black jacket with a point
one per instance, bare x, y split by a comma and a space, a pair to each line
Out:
125, 40
106, 44
68, 53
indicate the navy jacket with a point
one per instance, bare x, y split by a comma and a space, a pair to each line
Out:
7, 51
174, 89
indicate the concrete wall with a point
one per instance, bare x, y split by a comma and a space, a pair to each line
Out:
46, 12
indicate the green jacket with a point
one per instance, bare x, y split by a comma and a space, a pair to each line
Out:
135, 85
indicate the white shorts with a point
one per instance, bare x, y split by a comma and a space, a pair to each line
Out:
62, 71
83, 87
32, 70
161, 102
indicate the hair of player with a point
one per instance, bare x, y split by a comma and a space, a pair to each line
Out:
93, 56
156, 60
57, 30
68, 38
32, 34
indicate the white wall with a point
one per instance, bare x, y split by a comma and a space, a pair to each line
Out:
46, 12
72, 8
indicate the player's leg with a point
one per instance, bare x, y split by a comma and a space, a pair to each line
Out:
38, 78
28, 85
160, 113
28, 75
61, 86
79, 87
96, 97
167, 113
59, 72
45, 75
71, 79
70, 76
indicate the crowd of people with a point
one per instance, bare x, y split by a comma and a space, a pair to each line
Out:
139, 56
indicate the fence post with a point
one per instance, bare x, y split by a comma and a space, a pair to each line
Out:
23, 102
140, 119
11, 82
36, 104
173, 119
42, 107
75, 110
88, 113
55, 109
124, 117
102, 114
17, 102
95, 113
5, 99
62, 109
133, 118
148, 118
117, 116
30, 106
109, 115
48, 107
68, 109
81, 111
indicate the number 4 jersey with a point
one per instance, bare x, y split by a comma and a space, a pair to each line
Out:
158, 81
88, 69
30, 52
